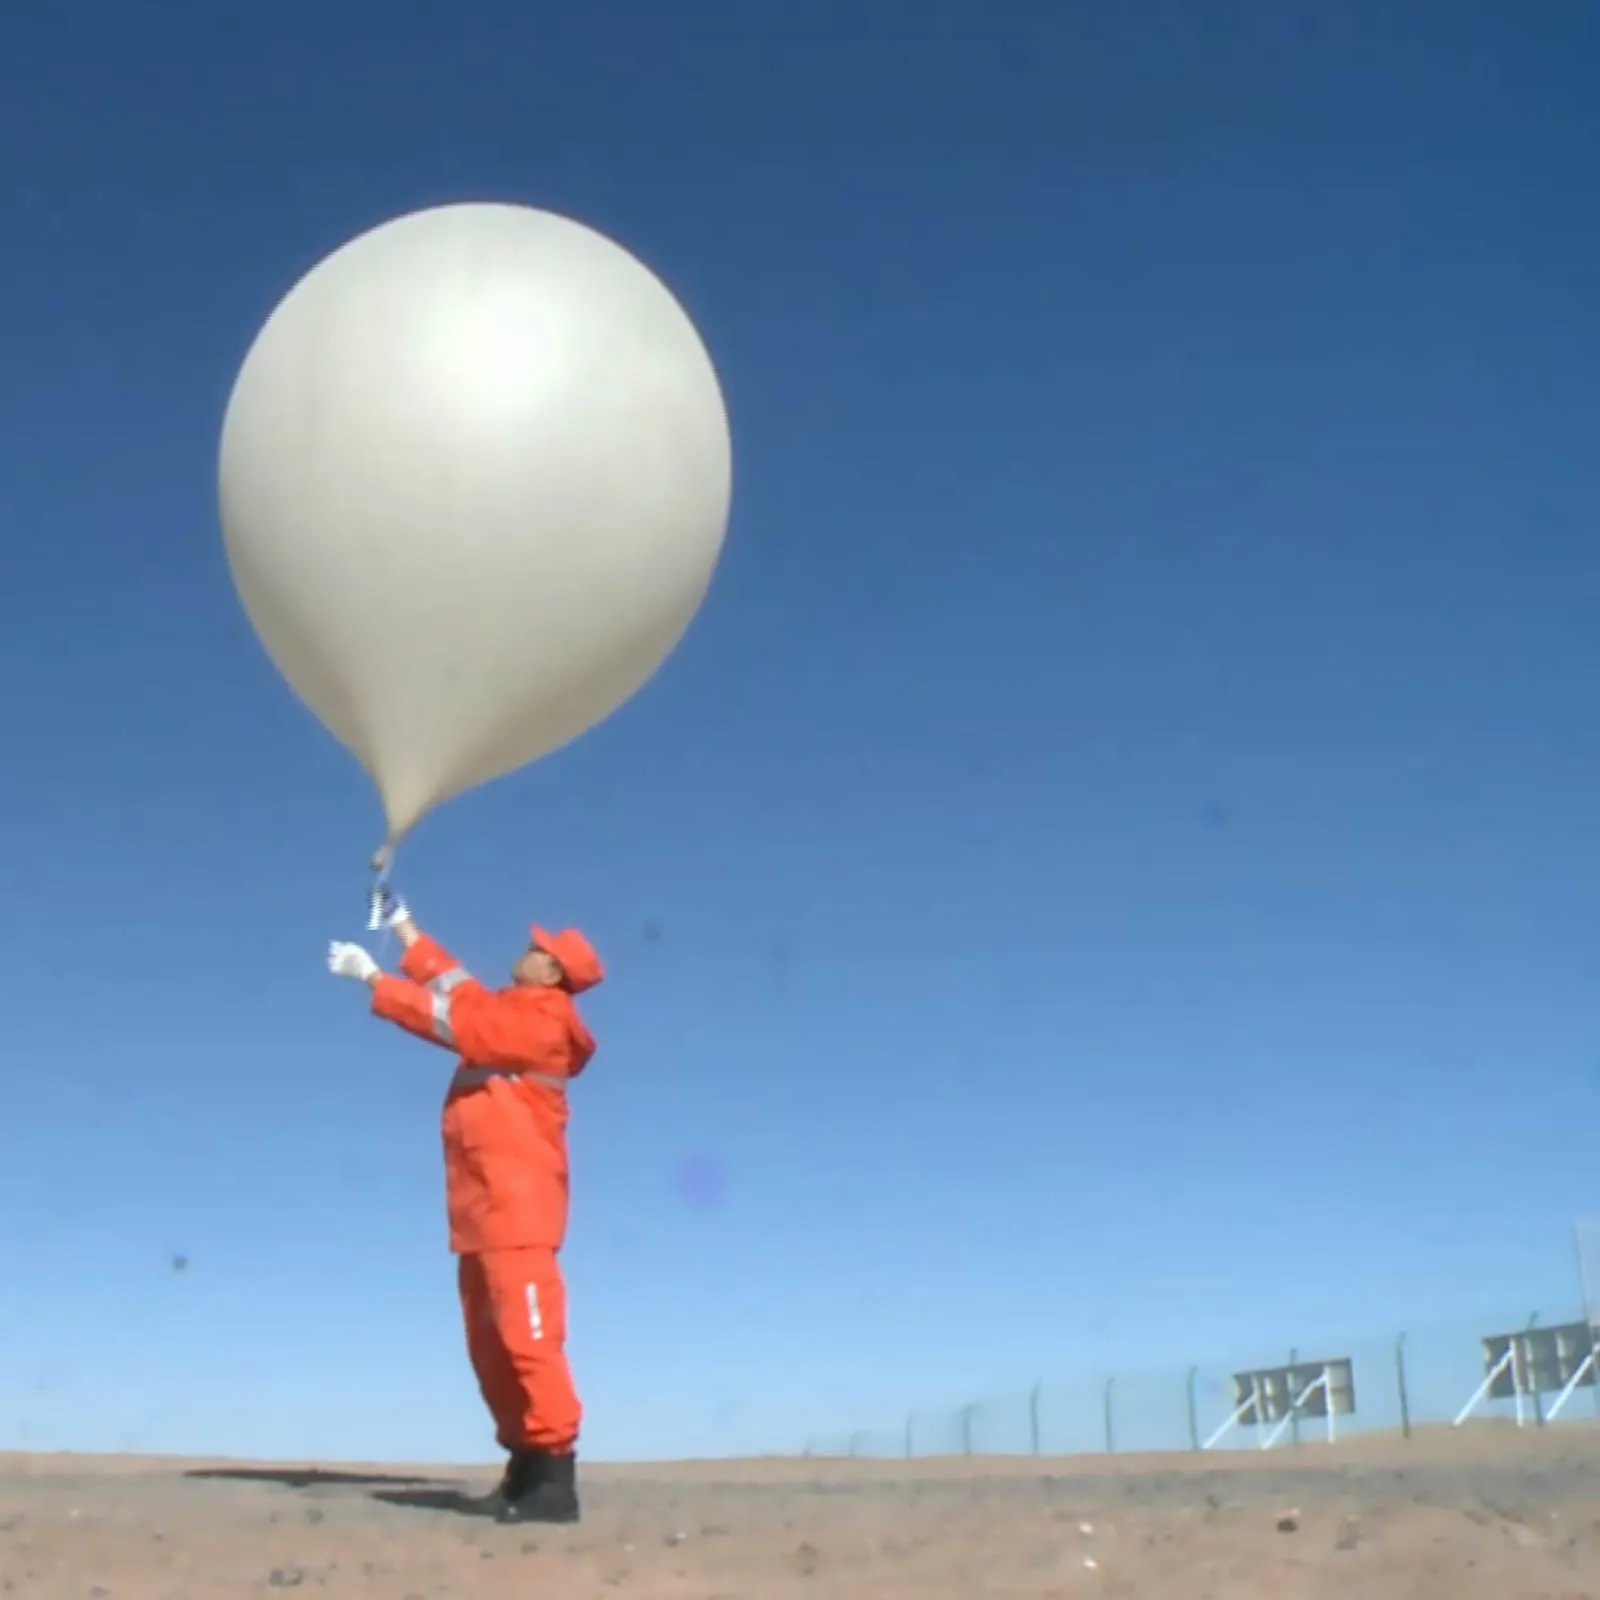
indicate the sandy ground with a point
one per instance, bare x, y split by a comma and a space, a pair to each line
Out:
1486, 1512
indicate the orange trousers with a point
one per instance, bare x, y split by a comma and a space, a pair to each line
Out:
515, 1307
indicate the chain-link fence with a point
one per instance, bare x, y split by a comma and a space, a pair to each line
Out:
1532, 1369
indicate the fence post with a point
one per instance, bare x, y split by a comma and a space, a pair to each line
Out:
1538, 1399
1294, 1403
1033, 1415
1190, 1407
911, 1418
1400, 1381
1594, 1351
966, 1428
1105, 1407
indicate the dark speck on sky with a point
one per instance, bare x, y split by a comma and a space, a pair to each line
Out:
778, 961
701, 1182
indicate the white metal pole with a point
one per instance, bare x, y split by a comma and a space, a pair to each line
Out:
1232, 1422
1482, 1389
1571, 1384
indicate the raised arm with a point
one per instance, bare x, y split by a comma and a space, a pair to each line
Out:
524, 1030
417, 999
437, 999
421, 998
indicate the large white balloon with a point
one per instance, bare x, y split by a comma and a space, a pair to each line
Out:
474, 480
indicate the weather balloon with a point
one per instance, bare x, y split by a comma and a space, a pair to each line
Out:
474, 480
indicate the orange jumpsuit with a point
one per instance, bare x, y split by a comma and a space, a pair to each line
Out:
504, 1129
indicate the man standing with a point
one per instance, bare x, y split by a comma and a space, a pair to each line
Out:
505, 1154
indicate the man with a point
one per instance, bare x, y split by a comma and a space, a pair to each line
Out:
505, 1151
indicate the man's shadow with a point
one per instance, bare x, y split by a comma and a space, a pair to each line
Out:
391, 1488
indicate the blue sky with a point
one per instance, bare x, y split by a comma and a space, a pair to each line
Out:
1110, 875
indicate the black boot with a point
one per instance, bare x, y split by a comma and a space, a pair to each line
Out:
549, 1492
520, 1467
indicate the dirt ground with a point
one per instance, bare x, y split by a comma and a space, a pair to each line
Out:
1486, 1512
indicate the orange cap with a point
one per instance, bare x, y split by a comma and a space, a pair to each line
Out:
577, 956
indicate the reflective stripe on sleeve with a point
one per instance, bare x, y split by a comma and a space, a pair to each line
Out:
442, 1031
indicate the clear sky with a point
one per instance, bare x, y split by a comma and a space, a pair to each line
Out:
1111, 874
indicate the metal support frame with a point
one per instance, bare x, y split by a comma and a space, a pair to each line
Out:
1535, 1362
1520, 1390
1585, 1368
1254, 1404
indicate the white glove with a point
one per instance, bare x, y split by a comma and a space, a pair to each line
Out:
351, 961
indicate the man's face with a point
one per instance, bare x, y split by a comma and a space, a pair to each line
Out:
536, 969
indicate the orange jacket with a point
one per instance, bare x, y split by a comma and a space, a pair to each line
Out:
505, 1115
